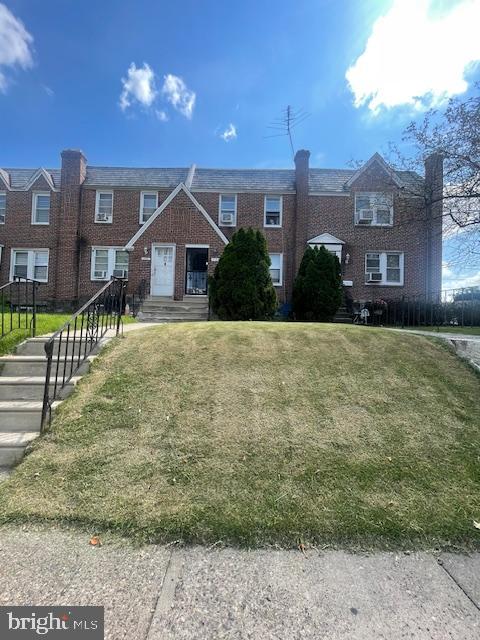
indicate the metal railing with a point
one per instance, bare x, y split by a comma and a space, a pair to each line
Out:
138, 297
444, 309
18, 306
71, 345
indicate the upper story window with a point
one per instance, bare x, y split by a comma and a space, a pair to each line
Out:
108, 262
276, 268
148, 204
41, 208
273, 211
3, 206
30, 263
374, 209
227, 216
384, 267
104, 206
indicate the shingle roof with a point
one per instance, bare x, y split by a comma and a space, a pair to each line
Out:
270, 180
19, 178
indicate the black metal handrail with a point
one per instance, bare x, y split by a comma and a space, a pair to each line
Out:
138, 297
18, 306
446, 308
74, 342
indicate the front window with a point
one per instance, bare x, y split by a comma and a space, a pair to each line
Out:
374, 209
108, 262
104, 206
228, 210
384, 268
41, 208
3, 207
148, 205
30, 263
276, 268
273, 211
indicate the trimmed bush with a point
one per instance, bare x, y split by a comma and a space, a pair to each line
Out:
241, 287
317, 290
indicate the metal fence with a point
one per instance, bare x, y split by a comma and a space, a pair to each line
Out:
18, 306
447, 308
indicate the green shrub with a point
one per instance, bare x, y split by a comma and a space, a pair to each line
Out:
241, 287
317, 290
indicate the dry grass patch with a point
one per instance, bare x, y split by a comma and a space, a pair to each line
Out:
259, 433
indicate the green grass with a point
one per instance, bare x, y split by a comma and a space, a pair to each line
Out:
471, 331
46, 323
263, 433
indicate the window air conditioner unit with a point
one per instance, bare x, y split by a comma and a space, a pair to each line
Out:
227, 218
103, 217
365, 216
120, 273
374, 277
100, 275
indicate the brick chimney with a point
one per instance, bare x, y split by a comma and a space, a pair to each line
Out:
302, 158
434, 211
73, 174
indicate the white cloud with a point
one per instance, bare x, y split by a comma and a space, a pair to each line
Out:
179, 95
138, 86
161, 115
416, 57
15, 45
230, 133
446, 271
461, 282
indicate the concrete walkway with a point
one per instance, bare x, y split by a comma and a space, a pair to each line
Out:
194, 593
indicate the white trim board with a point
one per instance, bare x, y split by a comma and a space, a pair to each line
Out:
379, 160
180, 187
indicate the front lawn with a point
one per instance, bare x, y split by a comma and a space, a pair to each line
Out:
46, 323
264, 433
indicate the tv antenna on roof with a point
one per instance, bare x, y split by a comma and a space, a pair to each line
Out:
284, 125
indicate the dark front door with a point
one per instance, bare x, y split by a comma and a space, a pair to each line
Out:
196, 273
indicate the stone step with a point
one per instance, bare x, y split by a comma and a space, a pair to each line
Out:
36, 347
22, 415
180, 314
30, 388
14, 365
172, 319
194, 308
185, 300
12, 445
343, 320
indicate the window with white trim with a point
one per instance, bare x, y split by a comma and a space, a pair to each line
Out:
3, 206
104, 206
30, 263
148, 204
276, 268
227, 212
384, 267
41, 207
374, 209
108, 262
273, 211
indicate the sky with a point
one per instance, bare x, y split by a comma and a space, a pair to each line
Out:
163, 83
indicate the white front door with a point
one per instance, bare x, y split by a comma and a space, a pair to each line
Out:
163, 268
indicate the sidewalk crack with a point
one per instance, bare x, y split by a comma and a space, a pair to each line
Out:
450, 575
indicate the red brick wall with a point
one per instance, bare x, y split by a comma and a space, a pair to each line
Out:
18, 232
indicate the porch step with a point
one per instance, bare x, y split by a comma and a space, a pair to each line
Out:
343, 316
20, 415
159, 309
29, 388
12, 445
14, 365
159, 318
36, 347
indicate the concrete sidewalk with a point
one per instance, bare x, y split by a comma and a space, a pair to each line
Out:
194, 593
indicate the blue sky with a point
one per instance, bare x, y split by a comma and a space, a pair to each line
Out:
154, 83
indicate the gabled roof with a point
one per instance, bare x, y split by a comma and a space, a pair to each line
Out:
325, 238
22, 179
181, 187
375, 159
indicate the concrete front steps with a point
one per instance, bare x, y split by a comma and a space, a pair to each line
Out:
342, 316
22, 380
158, 309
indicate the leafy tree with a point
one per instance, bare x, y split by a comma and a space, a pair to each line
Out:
454, 134
317, 290
241, 287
